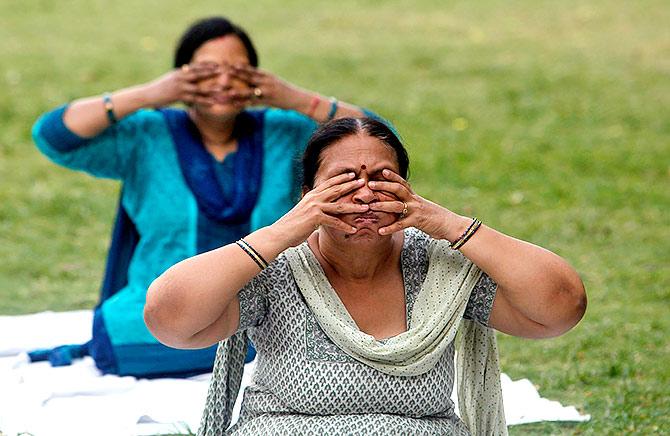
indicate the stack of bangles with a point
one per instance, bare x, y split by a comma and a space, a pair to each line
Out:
474, 226
253, 254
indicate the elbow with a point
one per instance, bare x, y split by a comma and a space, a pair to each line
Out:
159, 317
153, 312
571, 310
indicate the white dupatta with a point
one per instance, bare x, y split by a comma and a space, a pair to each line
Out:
436, 318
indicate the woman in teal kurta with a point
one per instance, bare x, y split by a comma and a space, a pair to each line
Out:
193, 179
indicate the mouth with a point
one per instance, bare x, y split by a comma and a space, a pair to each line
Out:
368, 217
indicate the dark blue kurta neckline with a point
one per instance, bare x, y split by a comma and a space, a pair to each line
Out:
199, 167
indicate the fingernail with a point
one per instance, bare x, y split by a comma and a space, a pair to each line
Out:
382, 231
372, 184
386, 172
351, 174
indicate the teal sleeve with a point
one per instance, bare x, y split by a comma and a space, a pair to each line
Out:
109, 154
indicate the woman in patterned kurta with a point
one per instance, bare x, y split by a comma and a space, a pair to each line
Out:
300, 372
326, 313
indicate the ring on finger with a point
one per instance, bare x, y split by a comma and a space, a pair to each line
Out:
405, 210
258, 93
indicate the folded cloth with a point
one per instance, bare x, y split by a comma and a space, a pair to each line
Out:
44, 330
78, 400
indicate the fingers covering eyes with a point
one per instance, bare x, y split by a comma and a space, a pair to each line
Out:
395, 188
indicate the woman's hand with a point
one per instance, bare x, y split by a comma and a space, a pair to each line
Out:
318, 207
182, 85
265, 88
415, 211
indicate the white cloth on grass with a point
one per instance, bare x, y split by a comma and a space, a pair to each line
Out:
77, 400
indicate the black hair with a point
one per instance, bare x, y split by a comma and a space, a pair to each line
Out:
206, 29
341, 128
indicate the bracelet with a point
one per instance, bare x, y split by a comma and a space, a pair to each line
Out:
333, 108
474, 226
313, 105
255, 255
109, 107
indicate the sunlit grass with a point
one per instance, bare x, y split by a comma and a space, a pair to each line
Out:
548, 120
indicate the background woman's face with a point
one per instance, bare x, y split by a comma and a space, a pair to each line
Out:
366, 156
224, 51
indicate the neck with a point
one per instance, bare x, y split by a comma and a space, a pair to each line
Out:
357, 261
215, 131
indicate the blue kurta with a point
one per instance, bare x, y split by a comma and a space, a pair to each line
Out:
140, 151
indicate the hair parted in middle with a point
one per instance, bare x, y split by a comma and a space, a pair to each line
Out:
338, 129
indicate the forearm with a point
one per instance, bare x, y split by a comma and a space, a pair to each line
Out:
194, 302
87, 117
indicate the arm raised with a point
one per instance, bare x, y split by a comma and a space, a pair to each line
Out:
194, 303
539, 294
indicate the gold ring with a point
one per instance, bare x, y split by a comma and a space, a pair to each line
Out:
403, 214
185, 68
258, 92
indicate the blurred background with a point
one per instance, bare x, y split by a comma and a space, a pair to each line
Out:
547, 120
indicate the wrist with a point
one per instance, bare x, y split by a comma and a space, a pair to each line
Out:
303, 102
147, 96
455, 225
271, 240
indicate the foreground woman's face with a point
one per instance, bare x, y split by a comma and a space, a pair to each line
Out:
224, 51
365, 156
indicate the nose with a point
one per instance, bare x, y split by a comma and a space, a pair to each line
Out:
364, 195
225, 78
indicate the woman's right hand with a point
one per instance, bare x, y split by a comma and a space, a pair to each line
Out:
319, 207
181, 85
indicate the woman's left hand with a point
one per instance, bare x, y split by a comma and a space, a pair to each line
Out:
414, 210
264, 88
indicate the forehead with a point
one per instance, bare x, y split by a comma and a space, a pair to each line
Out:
228, 47
352, 152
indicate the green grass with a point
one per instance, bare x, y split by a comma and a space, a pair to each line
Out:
548, 120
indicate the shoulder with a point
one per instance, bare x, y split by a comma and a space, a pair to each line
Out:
276, 276
415, 238
419, 242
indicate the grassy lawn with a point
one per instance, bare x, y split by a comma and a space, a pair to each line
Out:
548, 120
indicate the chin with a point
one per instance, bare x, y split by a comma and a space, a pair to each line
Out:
222, 111
365, 234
